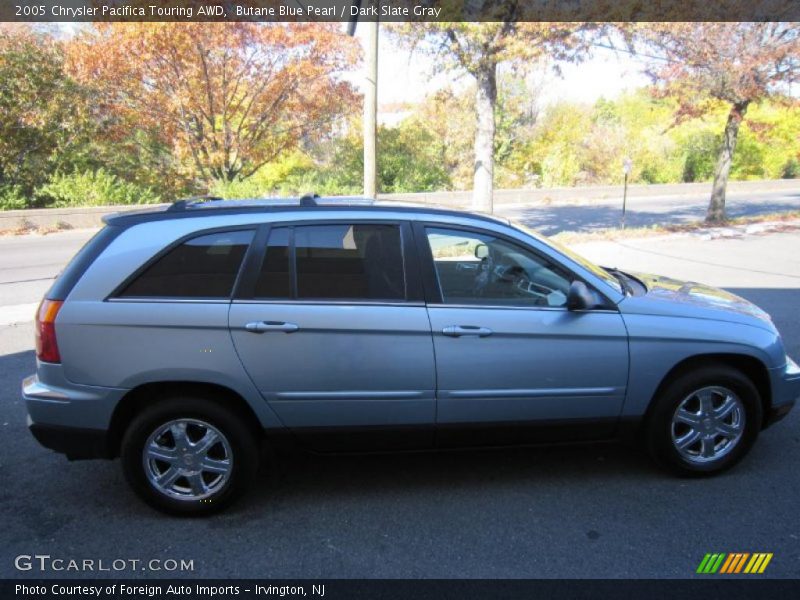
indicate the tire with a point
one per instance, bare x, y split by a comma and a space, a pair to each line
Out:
699, 440
200, 456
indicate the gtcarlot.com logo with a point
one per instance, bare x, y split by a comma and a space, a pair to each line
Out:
45, 562
734, 562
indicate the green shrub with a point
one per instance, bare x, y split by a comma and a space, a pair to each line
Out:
93, 188
791, 170
12, 198
241, 188
291, 174
701, 150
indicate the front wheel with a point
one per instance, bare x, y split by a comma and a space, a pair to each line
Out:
705, 421
189, 456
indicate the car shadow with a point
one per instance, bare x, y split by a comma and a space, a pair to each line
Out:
302, 476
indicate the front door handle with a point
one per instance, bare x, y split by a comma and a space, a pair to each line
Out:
462, 330
262, 326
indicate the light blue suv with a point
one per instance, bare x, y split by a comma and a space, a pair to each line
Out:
184, 339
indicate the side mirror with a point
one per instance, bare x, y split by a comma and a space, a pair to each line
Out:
580, 297
481, 251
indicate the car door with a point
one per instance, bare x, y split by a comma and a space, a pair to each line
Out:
332, 328
513, 365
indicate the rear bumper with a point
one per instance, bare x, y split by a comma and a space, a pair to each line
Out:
68, 418
77, 444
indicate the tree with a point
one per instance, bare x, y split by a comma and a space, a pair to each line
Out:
448, 118
737, 63
226, 97
44, 113
478, 49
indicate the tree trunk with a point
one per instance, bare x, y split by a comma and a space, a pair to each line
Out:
485, 100
716, 207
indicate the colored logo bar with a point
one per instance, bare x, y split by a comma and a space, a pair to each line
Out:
734, 562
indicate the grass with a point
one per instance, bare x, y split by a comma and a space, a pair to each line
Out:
786, 219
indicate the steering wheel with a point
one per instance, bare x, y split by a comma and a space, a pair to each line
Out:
509, 273
516, 278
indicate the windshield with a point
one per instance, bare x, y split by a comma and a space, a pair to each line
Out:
586, 264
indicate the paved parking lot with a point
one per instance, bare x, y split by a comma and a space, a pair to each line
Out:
584, 511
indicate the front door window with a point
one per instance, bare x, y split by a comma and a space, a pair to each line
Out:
479, 268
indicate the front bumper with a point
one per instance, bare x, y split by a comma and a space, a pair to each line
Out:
69, 418
785, 392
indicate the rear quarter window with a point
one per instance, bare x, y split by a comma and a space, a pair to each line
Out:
205, 266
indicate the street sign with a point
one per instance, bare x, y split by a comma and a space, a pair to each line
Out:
627, 165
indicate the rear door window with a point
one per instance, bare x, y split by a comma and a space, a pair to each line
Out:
360, 261
349, 261
202, 267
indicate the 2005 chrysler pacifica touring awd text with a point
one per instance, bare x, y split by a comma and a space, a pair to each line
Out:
182, 339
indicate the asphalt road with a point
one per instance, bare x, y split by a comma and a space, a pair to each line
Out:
28, 265
581, 511
648, 210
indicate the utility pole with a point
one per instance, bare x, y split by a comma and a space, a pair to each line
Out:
371, 111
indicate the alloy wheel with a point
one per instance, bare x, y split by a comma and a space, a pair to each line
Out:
187, 459
708, 424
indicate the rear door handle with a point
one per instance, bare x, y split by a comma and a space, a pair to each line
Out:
262, 326
463, 330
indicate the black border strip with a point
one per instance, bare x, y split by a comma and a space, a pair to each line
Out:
710, 587
397, 10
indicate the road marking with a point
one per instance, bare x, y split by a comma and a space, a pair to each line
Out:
27, 280
17, 313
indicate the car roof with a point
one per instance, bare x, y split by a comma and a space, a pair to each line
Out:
314, 206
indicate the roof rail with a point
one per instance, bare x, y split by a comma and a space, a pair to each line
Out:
185, 203
309, 200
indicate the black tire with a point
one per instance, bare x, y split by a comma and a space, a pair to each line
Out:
242, 446
658, 429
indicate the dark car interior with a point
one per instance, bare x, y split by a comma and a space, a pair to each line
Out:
336, 261
501, 273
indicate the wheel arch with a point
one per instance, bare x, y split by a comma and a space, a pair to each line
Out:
750, 366
148, 394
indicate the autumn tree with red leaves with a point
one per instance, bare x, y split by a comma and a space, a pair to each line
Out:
227, 98
736, 63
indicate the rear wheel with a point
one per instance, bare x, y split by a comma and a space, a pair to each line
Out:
189, 456
705, 421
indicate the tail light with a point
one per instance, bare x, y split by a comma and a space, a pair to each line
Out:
46, 345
